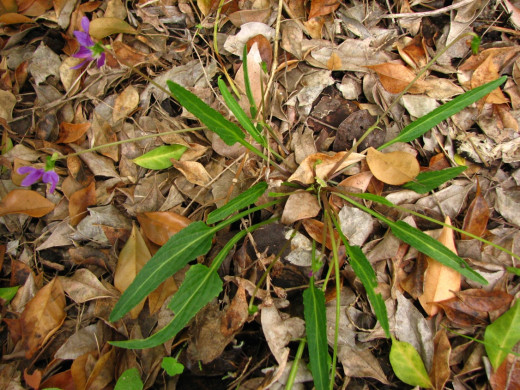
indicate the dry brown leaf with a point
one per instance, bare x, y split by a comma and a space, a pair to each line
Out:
34, 7
477, 216
42, 317
84, 286
193, 171
314, 27
393, 168
440, 281
236, 314
315, 229
79, 201
132, 258
71, 132
125, 103
103, 372
415, 53
102, 27
440, 372
334, 62
300, 205
13, 18
25, 202
320, 164
322, 7
395, 77
157, 297
159, 226
62, 380
279, 332
264, 48
486, 72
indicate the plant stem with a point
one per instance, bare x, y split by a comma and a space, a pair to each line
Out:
95, 148
294, 367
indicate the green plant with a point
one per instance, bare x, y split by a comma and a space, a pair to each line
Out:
202, 283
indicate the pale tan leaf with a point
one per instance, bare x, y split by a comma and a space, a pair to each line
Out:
193, 171
300, 205
132, 259
125, 103
322, 163
84, 286
440, 281
393, 168
102, 27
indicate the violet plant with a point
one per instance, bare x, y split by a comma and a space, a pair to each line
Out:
46, 175
89, 50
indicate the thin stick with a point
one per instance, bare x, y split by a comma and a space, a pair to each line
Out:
429, 13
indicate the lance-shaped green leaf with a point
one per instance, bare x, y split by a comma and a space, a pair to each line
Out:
316, 329
245, 199
427, 181
160, 158
423, 243
214, 120
408, 365
434, 249
502, 335
200, 286
183, 247
241, 116
425, 123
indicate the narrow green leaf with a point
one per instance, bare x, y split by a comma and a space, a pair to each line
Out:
434, 249
316, 329
514, 270
364, 271
214, 120
425, 123
200, 286
408, 365
129, 380
427, 181
245, 199
374, 198
241, 116
423, 243
160, 158
191, 242
172, 366
8, 293
247, 82
502, 335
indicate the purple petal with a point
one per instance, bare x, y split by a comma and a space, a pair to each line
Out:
83, 38
85, 23
52, 178
83, 52
33, 176
101, 60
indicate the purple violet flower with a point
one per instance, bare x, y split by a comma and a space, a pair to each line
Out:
88, 49
35, 174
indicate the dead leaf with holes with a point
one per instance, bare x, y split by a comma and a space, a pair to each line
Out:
42, 317
440, 281
132, 258
394, 168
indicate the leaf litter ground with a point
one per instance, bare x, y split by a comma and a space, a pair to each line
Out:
66, 256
